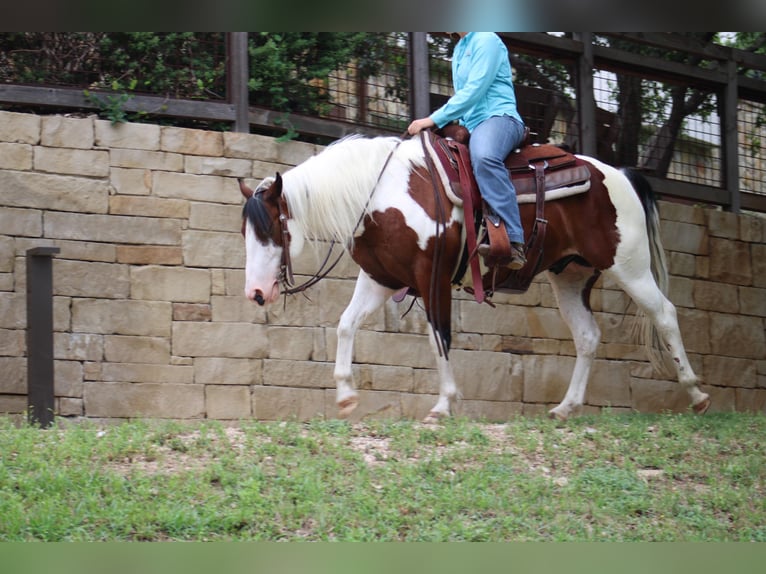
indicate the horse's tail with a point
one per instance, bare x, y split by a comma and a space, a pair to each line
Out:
644, 329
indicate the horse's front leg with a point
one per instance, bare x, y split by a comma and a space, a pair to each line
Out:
368, 297
448, 392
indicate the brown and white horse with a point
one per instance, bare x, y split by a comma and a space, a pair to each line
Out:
378, 198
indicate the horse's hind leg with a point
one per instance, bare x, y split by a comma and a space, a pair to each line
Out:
662, 313
572, 289
368, 297
447, 387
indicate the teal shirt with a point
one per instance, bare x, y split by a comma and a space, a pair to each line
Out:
481, 77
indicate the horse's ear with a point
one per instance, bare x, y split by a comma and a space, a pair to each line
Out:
276, 187
246, 191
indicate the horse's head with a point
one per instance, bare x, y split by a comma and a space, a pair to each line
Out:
264, 239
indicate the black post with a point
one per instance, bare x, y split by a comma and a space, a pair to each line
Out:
420, 78
40, 335
237, 74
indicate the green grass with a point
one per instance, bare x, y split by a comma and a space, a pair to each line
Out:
600, 478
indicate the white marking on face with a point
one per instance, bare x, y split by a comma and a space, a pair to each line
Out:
262, 262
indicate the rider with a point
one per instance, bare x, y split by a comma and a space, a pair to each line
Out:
484, 101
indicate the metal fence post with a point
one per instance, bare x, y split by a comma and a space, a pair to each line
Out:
40, 335
586, 100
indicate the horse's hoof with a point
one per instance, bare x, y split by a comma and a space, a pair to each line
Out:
557, 415
701, 407
347, 406
434, 418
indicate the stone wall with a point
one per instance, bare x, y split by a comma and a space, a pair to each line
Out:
150, 317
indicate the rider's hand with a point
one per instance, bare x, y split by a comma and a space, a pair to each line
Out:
418, 126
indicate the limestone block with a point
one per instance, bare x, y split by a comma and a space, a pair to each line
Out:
226, 167
750, 400
148, 206
546, 378
15, 156
277, 372
385, 378
729, 372
622, 351
737, 336
398, 349
131, 181
212, 217
90, 163
547, 324
13, 403
19, 128
6, 280
222, 371
121, 317
218, 281
54, 192
227, 402
7, 257
69, 407
13, 375
213, 249
91, 279
78, 346
695, 330
249, 146
84, 251
236, 309
426, 381
129, 349
752, 301
730, 262
486, 376
752, 228
127, 135
400, 318
681, 212
160, 283
282, 403
197, 188
722, 224
129, 400
505, 320
59, 131
13, 310
612, 301
682, 264
192, 312
331, 297
609, 384
149, 254
113, 228
12, 342
233, 340
417, 407
684, 237
234, 279
299, 310
147, 373
291, 343
713, 296
680, 291
67, 378
654, 396
191, 141
146, 160
759, 264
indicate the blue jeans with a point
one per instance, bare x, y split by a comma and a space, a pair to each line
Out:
491, 142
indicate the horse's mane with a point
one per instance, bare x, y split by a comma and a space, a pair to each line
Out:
330, 192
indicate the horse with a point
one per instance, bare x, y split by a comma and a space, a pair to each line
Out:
381, 199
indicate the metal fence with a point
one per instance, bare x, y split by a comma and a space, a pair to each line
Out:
717, 162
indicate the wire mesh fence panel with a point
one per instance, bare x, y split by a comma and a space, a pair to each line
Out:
751, 127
